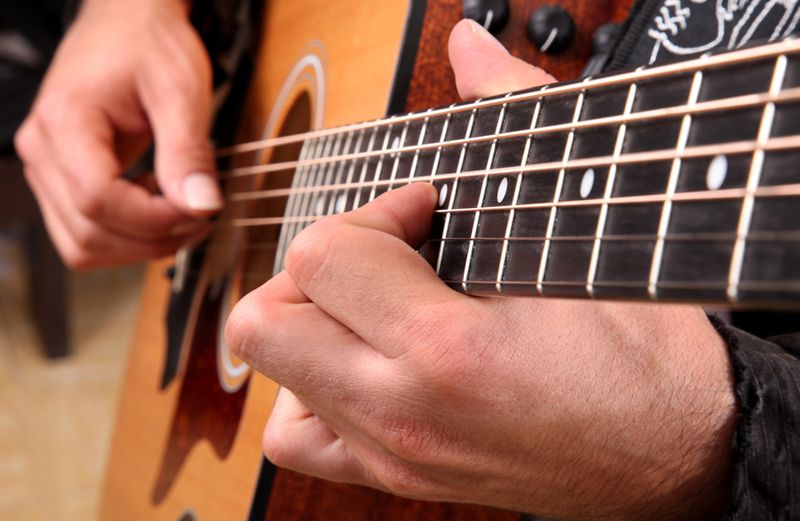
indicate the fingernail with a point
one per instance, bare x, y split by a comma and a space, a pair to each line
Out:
481, 31
201, 192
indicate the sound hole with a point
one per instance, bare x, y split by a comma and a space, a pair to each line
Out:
256, 246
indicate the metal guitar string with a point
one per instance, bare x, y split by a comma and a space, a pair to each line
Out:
784, 47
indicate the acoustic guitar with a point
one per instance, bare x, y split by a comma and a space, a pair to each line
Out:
671, 183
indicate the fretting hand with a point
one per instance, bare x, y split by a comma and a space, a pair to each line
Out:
127, 71
574, 410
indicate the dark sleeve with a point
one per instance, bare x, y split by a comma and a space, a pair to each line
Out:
766, 446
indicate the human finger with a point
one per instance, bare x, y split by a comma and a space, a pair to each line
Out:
484, 68
88, 179
178, 101
297, 439
359, 268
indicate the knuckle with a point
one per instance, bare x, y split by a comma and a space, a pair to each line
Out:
309, 251
26, 140
274, 446
401, 478
406, 438
255, 324
54, 111
89, 202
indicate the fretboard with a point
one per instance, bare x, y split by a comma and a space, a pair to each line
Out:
678, 182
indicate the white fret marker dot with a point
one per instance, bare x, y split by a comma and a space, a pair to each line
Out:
717, 172
443, 195
319, 208
502, 190
587, 183
396, 142
340, 202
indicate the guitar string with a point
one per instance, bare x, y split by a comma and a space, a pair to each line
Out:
223, 246
785, 47
735, 103
774, 144
784, 190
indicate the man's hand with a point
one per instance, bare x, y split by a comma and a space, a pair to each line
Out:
126, 71
576, 410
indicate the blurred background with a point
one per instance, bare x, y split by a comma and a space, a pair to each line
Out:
63, 336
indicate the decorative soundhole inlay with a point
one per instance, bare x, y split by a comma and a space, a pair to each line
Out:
717, 172
502, 190
587, 183
443, 195
340, 202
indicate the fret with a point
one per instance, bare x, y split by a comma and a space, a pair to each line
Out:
431, 251
420, 142
338, 200
401, 143
754, 179
455, 188
514, 201
683, 138
317, 174
352, 193
364, 165
556, 198
290, 208
301, 177
321, 204
476, 220
380, 159
609, 192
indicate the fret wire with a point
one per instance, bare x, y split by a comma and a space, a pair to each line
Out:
396, 164
785, 47
784, 286
287, 233
420, 141
609, 192
781, 286
324, 209
515, 200
333, 204
379, 167
481, 196
753, 181
364, 164
433, 175
702, 151
318, 176
557, 197
454, 191
739, 102
789, 190
313, 176
672, 187
352, 170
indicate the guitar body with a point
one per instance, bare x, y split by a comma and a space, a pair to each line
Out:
188, 439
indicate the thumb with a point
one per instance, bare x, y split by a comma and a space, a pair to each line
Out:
483, 67
185, 166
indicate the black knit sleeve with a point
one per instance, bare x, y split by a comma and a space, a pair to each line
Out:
766, 446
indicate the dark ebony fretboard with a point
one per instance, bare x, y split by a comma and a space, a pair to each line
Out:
673, 183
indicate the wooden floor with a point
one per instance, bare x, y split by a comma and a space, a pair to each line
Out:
56, 417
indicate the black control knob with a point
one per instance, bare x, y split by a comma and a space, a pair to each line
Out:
492, 14
551, 29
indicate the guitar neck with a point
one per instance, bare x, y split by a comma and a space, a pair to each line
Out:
675, 183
